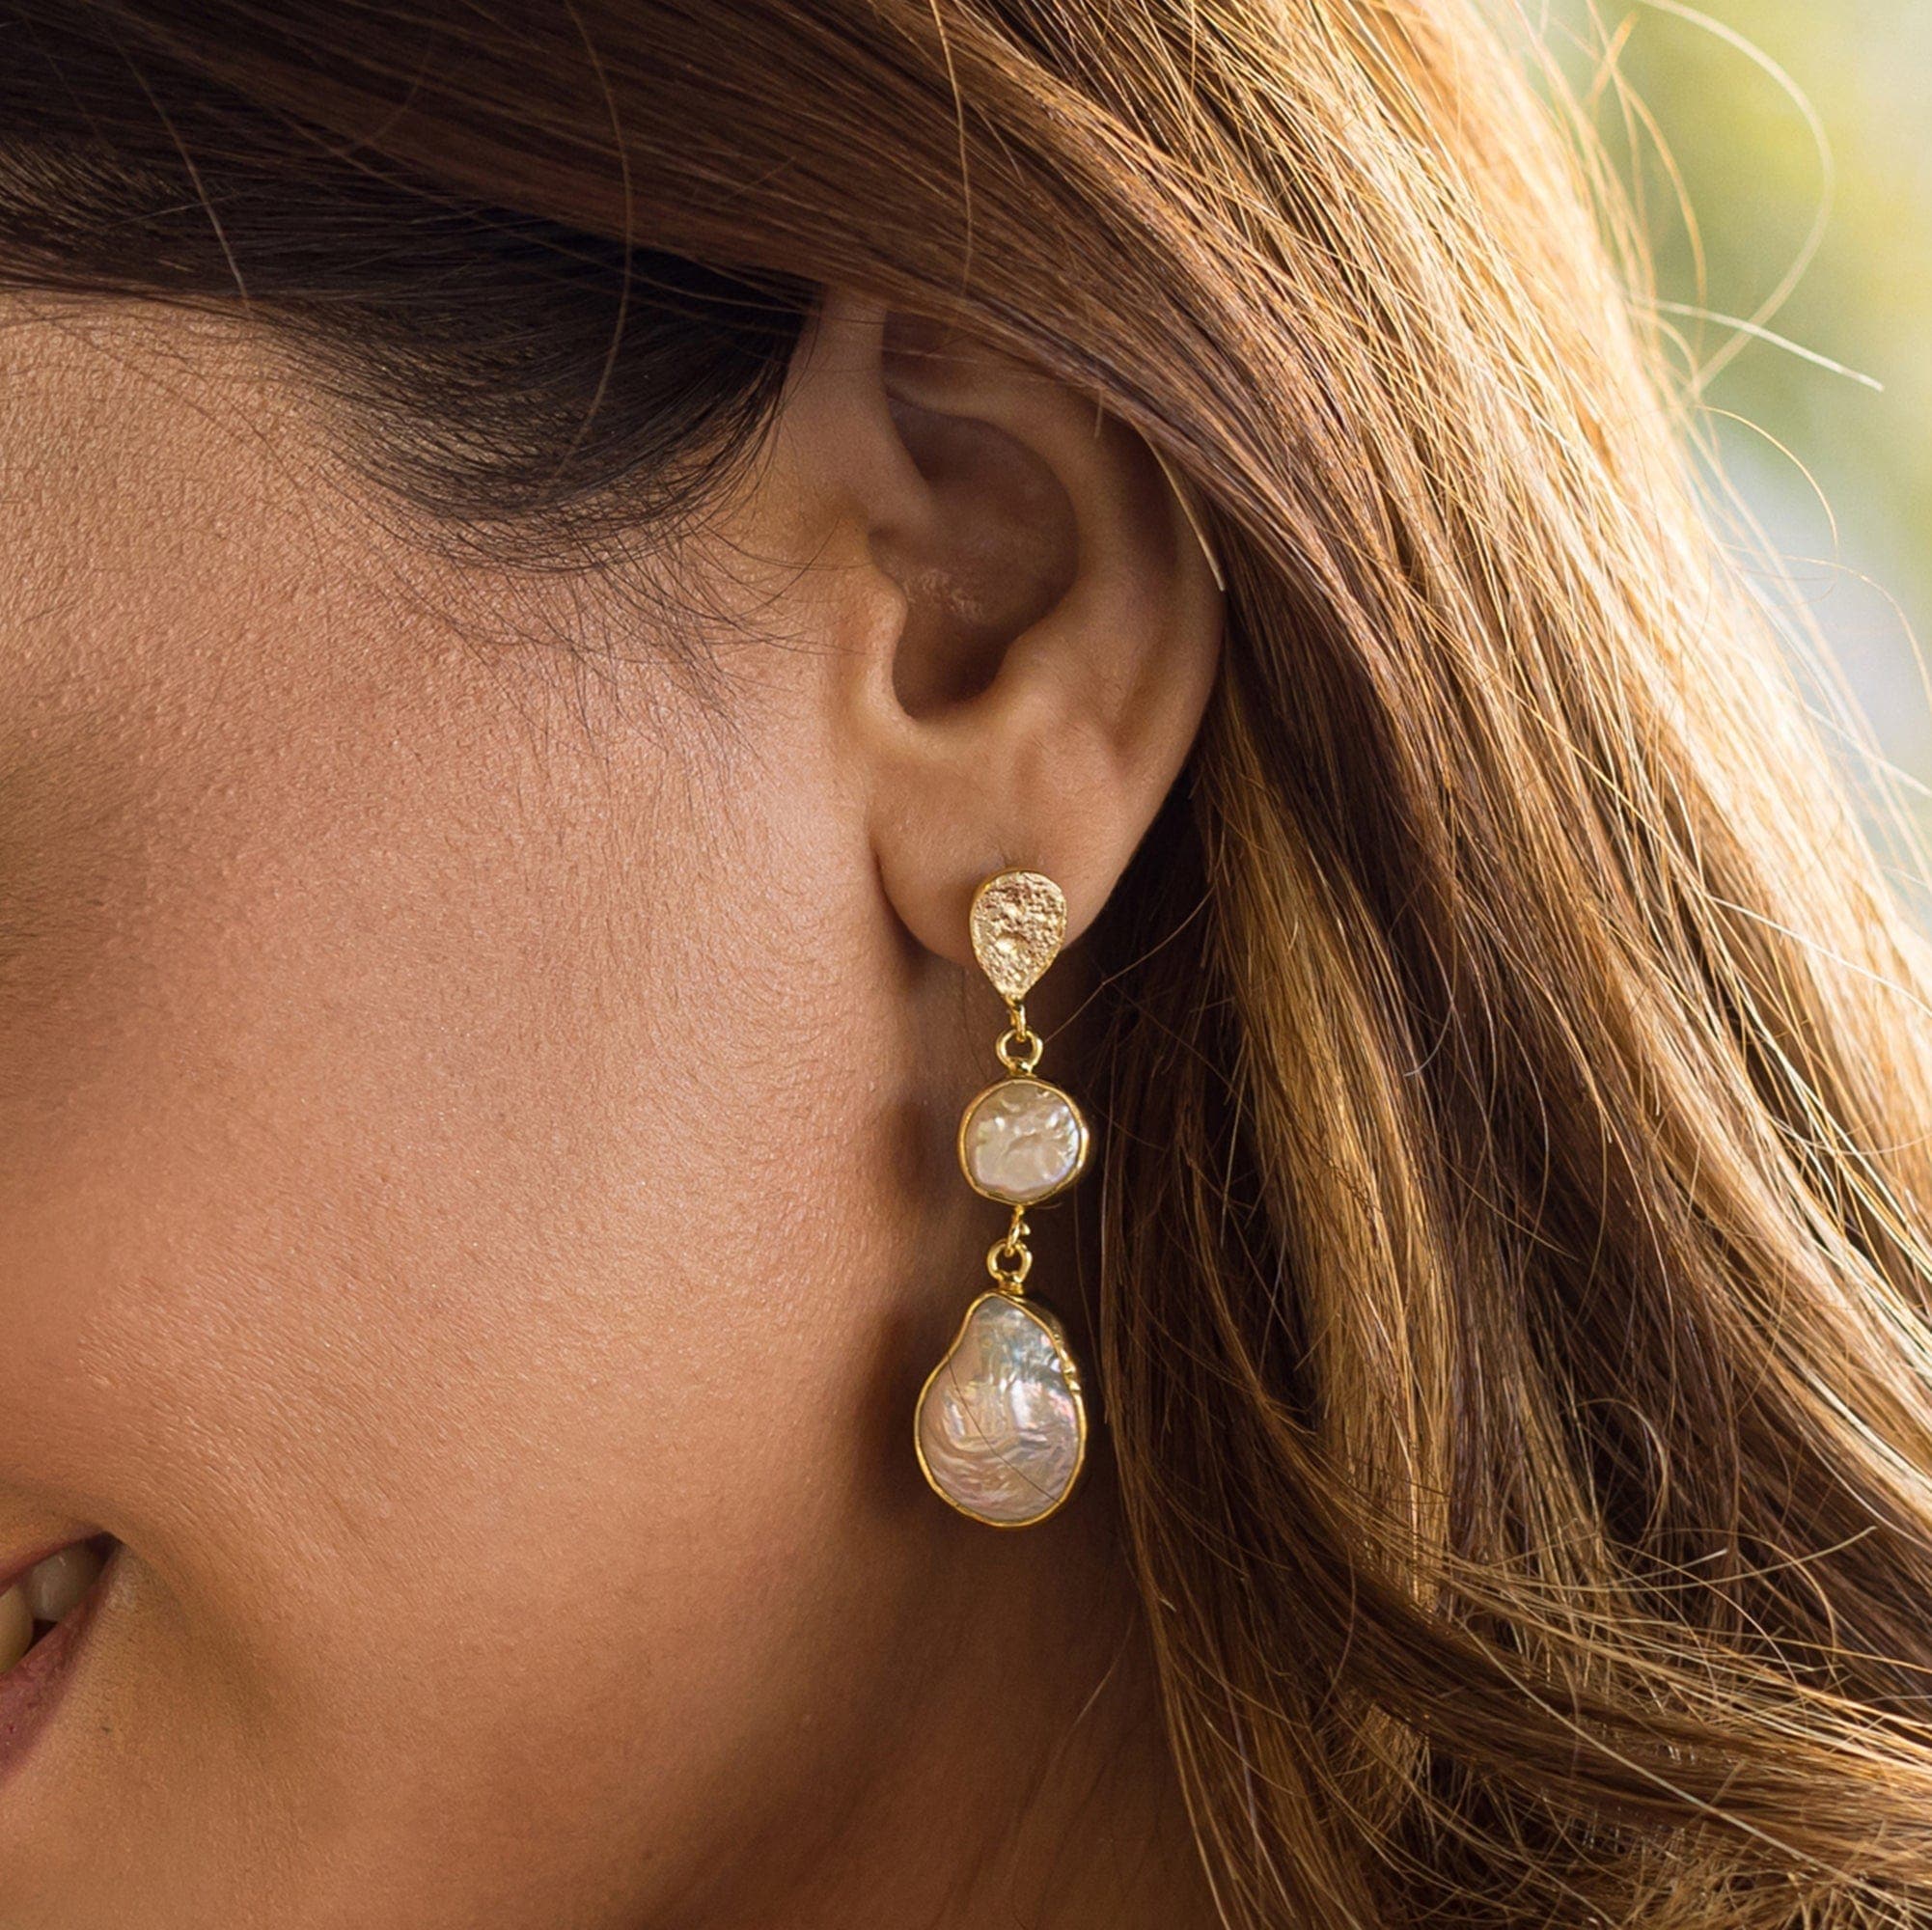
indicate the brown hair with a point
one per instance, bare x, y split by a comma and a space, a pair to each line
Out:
1513, 1309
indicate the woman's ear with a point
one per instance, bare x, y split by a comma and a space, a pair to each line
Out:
1031, 672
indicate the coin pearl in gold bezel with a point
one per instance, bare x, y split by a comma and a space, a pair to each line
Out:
1022, 1141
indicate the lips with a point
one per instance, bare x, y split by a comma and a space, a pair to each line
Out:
46, 1600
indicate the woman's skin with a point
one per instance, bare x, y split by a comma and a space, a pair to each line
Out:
478, 1075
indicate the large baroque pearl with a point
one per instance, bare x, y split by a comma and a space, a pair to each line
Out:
1001, 1428
1022, 1141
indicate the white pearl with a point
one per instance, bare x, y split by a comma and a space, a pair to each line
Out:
1022, 1141
1001, 1432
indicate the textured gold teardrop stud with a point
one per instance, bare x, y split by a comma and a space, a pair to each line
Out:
1018, 923
1001, 1425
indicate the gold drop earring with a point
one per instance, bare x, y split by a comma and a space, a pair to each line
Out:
1001, 1426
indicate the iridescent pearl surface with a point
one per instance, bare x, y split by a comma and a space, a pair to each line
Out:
1022, 1141
1001, 1428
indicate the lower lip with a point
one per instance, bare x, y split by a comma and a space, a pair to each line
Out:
31, 1690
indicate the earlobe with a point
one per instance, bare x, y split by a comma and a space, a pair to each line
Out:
1059, 627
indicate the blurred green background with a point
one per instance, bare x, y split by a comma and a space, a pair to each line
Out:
1839, 472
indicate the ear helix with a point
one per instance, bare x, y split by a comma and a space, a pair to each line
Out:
1001, 1424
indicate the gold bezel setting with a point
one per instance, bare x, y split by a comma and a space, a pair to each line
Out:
981, 1097
1048, 1323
